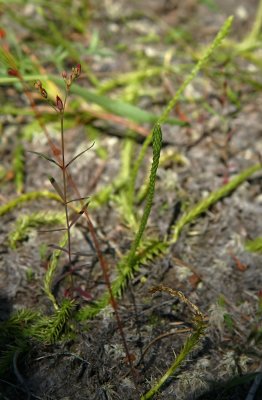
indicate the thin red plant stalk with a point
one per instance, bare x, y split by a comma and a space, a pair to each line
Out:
67, 176
64, 171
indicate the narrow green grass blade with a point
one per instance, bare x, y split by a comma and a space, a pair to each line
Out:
131, 77
253, 38
7, 80
117, 107
7, 59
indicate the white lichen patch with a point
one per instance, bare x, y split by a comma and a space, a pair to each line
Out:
194, 382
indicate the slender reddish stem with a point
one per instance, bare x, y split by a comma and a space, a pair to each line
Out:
63, 166
68, 178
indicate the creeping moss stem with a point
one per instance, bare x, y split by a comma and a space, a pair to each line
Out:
31, 196
213, 198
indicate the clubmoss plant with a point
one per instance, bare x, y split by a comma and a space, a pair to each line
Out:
254, 245
199, 326
27, 197
215, 196
25, 325
223, 32
50, 273
128, 264
252, 40
27, 222
52, 328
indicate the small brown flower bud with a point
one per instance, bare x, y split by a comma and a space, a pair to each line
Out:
2, 33
69, 81
76, 71
38, 85
13, 72
64, 74
43, 93
78, 67
59, 104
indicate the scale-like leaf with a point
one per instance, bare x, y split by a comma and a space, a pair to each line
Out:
78, 155
82, 254
79, 199
78, 215
52, 230
7, 59
44, 156
57, 187
54, 246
